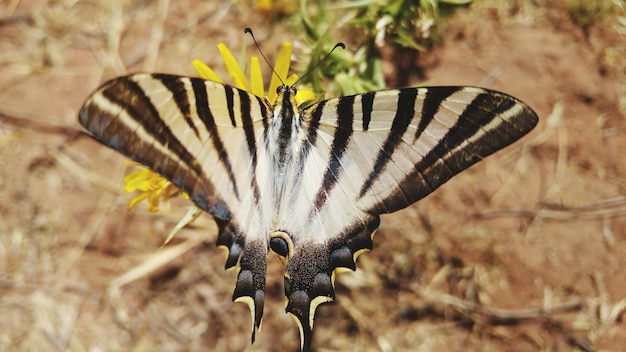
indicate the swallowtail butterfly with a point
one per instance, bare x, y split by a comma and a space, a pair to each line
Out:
308, 184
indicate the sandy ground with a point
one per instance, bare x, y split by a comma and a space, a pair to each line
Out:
523, 252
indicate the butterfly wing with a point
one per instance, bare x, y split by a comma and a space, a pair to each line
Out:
202, 136
406, 143
377, 153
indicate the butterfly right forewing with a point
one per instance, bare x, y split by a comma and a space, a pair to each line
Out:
406, 143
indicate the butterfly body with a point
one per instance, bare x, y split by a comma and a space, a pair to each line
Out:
307, 184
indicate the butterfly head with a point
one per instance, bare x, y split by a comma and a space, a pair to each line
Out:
286, 97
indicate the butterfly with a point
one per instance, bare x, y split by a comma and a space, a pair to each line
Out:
308, 184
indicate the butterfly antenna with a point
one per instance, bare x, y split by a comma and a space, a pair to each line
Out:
249, 31
340, 44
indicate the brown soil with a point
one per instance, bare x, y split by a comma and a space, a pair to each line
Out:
523, 252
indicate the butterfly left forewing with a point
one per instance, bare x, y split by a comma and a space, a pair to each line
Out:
164, 122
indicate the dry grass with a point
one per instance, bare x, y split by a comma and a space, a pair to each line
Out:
523, 253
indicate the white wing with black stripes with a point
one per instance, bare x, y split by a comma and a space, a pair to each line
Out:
309, 185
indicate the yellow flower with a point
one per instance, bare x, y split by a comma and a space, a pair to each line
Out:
153, 187
256, 86
264, 5
275, 6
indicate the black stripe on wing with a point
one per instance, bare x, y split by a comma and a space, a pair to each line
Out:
311, 134
204, 112
180, 96
309, 143
343, 132
105, 115
230, 104
265, 112
404, 114
480, 112
367, 104
470, 140
432, 102
248, 127
128, 95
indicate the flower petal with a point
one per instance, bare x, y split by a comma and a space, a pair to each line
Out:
233, 67
283, 60
154, 198
138, 180
256, 78
291, 80
264, 5
304, 95
151, 186
136, 200
205, 71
